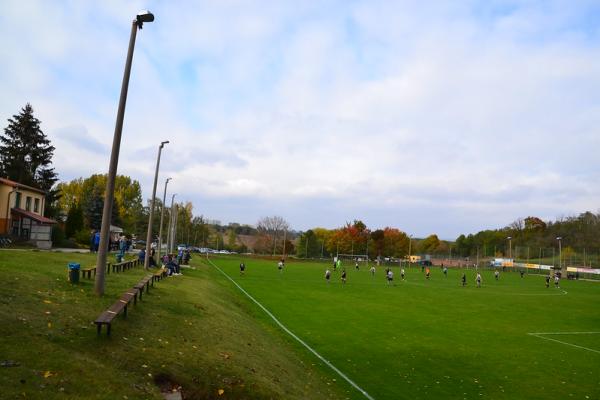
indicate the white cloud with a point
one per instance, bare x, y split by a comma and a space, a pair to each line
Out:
435, 118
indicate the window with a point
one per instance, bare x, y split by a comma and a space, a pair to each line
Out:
18, 200
36, 206
28, 203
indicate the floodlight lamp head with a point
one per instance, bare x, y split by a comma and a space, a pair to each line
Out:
508, 237
144, 16
559, 238
162, 144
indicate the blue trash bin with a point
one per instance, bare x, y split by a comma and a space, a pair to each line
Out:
74, 269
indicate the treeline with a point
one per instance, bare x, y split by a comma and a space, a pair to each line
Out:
578, 235
356, 239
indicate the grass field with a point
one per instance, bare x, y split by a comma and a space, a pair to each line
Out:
192, 331
422, 339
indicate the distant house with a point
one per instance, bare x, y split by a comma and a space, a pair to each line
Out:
22, 213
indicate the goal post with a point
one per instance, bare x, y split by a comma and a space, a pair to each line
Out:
350, 259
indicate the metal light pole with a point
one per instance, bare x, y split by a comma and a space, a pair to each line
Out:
151, 216
174, 235
144, 16
306, 246
170, 224
509, 238
409, 248
559, 238
162, 215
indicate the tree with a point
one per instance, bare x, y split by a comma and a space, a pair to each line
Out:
273, 227
395, 242
26, 156
429, 244
74, 222
308, 245
128, 211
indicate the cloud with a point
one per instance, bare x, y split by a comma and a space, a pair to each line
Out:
447, 118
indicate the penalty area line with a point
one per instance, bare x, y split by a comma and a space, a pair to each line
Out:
320, 357
560, 341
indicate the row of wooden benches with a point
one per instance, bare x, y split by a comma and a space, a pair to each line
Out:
117, 267
111, 313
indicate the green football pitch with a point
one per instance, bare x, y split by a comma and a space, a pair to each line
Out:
422, 339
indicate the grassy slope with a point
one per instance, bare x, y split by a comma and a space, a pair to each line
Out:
435, 339
194, 330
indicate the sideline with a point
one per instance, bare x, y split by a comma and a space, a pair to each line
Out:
330, 365
539, 335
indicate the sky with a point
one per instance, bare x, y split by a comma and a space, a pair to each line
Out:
443, 117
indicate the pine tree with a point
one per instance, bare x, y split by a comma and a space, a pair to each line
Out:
74, 220
26, 155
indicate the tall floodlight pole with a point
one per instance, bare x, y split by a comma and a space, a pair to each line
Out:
409, 248
284, 239
559, 238
170, 227
306, 246
162, 215
143, 16
174, 235
509, 238
152, 202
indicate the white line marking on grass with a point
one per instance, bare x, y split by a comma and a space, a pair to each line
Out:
320, 357
560, 341
564, 333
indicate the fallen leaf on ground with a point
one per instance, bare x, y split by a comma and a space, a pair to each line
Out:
48, 374
221, 391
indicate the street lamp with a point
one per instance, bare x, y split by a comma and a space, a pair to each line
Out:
153, 200
559, 238
162, 215
143, 16
509, 238
170, 224
409, 248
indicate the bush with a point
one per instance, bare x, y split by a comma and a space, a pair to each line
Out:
59, 239
83, 237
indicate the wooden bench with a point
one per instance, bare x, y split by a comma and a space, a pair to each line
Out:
158, 275
87, 272
125, 265
144, 283
107, 316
